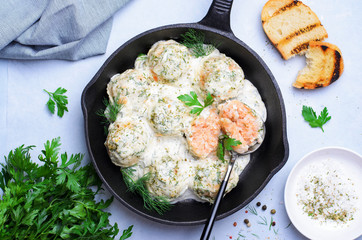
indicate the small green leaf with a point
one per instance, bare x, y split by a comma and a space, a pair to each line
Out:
78, 211
192, 100
209, 100
230, 142
59, 99
29, 218
220, 152
311, 117
225, 143
127, 233
60, 179
51, 106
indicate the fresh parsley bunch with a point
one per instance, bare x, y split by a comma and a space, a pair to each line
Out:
52, 201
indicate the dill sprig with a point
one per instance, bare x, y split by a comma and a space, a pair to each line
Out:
158, 204
271, 222
290, 223
110, 112
194, 40
252, 210
255, 235
264, 222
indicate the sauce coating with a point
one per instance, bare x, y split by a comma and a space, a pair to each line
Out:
155, 132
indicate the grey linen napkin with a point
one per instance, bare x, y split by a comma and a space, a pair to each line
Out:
55, 29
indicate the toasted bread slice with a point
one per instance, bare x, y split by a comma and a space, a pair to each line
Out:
324, 66
290, 26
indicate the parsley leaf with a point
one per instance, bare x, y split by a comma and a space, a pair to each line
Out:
127, 233
191, 100
54, 200
311, 117
225, 143
57, 98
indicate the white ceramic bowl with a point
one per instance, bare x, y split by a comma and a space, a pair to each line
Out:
351, 166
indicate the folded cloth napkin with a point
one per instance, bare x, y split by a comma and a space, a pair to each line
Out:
55, 29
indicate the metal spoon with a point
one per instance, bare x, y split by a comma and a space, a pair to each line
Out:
210, 222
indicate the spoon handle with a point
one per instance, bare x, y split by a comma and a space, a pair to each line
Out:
210, 222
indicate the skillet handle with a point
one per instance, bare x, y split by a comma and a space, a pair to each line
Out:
218, 15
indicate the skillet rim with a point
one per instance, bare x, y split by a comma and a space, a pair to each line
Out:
230, 36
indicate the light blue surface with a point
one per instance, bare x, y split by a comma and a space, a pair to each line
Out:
27, 121
3, 105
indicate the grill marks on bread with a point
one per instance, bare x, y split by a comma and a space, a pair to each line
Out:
282, 9
291, 25
324, 66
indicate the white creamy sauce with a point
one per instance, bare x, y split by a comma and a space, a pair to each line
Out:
149, 92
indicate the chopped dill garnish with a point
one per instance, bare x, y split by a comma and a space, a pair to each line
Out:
264, 222
271, 222
290, 223
255, 235
241, 235
252, 210
194, 40
110, 112
158, 204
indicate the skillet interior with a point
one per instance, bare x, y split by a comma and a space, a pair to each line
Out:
264, 163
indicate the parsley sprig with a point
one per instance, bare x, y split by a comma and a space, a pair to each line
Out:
194, 40
52, 201
158, 204
59, 99
225, 143
191, 100
311, 117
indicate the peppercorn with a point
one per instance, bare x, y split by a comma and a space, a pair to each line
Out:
273, 211
264, 207
258, 204
246, 221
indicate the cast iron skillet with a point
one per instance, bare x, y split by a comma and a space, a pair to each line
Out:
264, 163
